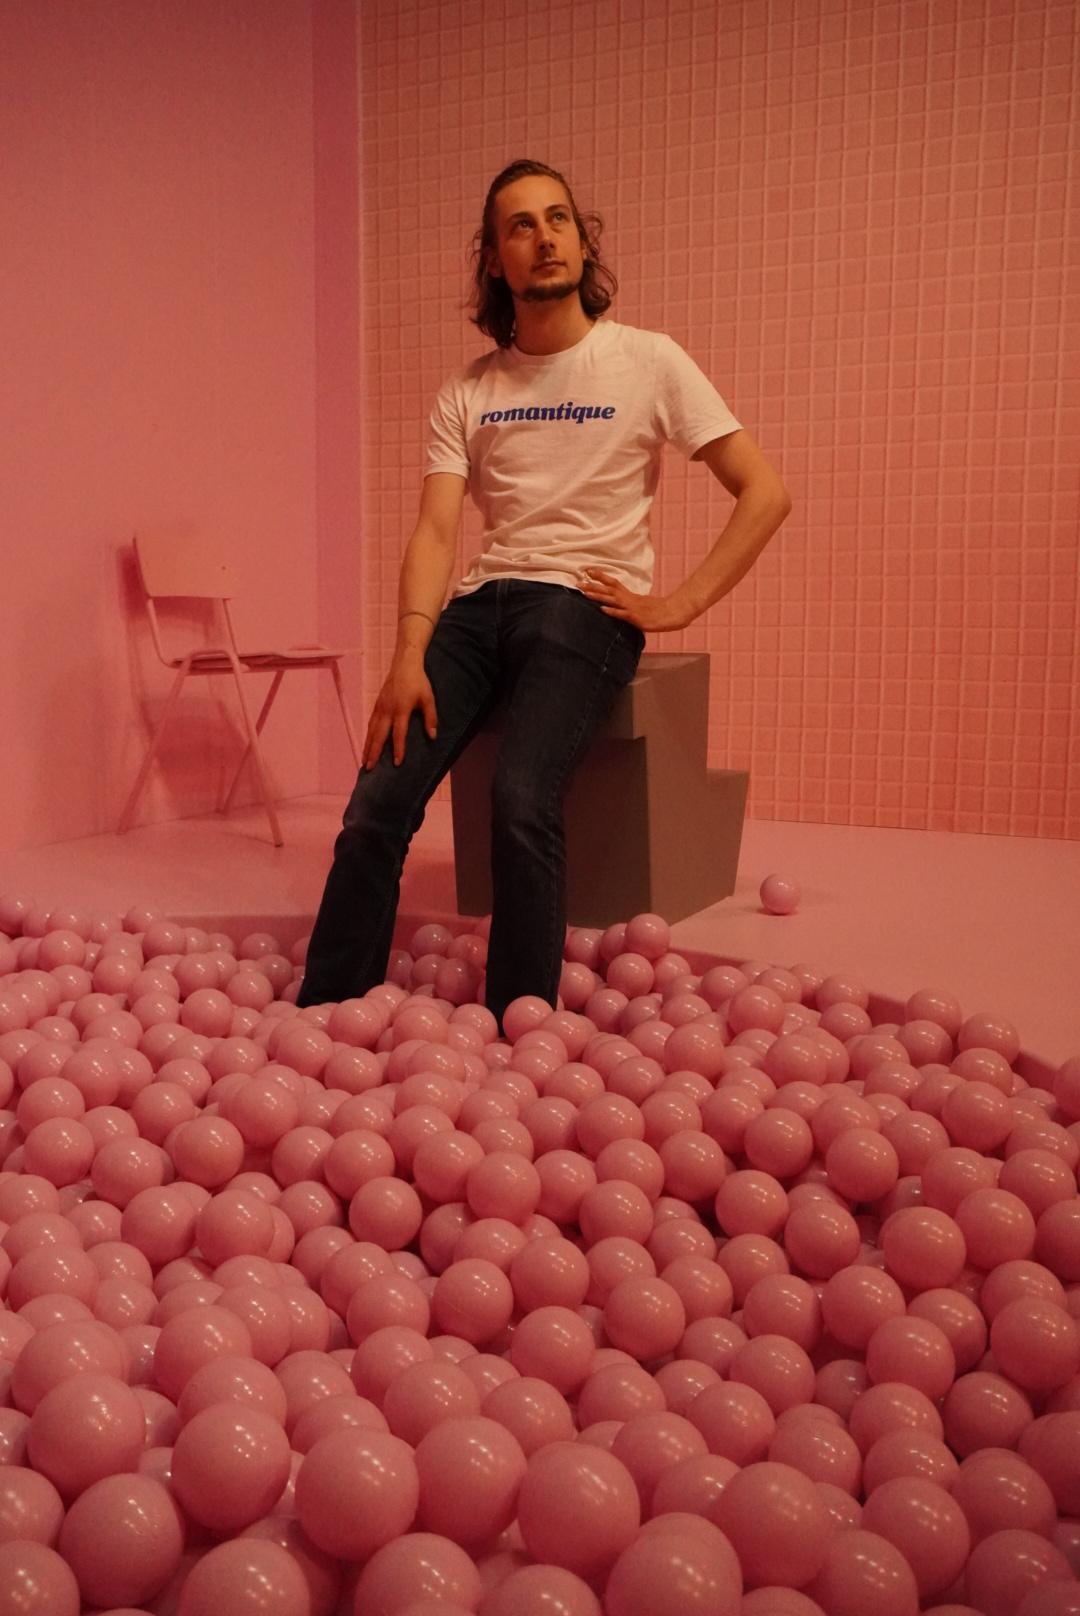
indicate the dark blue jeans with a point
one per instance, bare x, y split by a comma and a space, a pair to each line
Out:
558, 663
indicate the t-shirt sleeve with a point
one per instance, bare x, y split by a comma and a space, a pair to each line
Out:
690, 412
447, 449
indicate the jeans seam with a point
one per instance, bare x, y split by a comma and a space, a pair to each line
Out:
433, 775
557, 786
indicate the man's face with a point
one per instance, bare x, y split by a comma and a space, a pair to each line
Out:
537, 248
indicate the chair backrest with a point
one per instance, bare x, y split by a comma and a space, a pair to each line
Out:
191, 568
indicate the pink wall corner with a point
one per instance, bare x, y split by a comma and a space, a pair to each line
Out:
341, 541
158, 316
858, 221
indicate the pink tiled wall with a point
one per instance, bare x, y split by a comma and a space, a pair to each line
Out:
857, 218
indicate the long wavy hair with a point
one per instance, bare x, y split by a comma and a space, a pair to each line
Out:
492, 299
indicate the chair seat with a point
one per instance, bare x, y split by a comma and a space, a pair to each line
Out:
214, 660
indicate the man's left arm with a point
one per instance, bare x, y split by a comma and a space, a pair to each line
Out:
761, 504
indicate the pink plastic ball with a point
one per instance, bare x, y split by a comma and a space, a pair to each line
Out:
230, 1464
928, 1527
35, 1581
863, 1571
405, 1575
1007, 1566
676, 1569
578, 1508
245, 1574
86, 1427
31, 1509
644, 1317
780, 895
776, 1522
553, 1344
123, 1539
470, 1473
356, 1490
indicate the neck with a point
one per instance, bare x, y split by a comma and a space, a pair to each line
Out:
547, 328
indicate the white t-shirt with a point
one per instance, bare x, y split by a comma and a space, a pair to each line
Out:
562, 451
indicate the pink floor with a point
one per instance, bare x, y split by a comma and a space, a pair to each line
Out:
992, 919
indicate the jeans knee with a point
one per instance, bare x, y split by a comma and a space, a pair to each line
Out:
519, 809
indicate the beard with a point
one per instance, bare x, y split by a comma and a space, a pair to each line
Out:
550, 291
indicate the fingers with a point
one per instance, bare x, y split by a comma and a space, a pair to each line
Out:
378, 729
431, 717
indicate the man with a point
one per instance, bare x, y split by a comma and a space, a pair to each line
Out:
557, 434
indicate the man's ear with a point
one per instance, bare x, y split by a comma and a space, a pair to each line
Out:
494, 268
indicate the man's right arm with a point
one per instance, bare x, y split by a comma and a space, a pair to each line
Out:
425, 576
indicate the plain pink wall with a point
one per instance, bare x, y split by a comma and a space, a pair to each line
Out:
857, 218
161, 288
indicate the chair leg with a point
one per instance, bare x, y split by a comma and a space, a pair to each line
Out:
256, 753
259, 722
155, 740
350, 732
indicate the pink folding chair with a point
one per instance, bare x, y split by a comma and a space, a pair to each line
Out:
196, 570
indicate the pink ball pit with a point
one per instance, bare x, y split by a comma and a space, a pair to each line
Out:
720, 1290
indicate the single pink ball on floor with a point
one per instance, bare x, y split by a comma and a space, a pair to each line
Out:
780, 895
35, 1581
415, 1569
87, 1427
578, 1508
123, 1539
356, 1490
470, 1472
